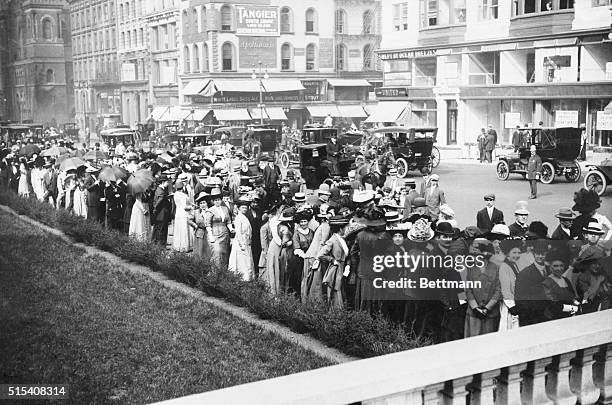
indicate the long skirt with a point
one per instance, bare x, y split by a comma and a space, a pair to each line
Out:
507, 321
475, 326
182, 238
241, 261
201, 248
285, 261
219, 252
272, 272
312, 282
296, 267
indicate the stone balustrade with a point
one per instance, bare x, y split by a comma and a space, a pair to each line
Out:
561, 362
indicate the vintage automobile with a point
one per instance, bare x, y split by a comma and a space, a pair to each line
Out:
196, 140
268, 138
233, 135
599, 176
413, 147
558, 148
14, 132
71, 130
113, 136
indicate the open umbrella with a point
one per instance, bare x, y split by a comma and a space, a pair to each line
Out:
95, 155
140, 181
113, 173
72, 163
54, 151
29, 150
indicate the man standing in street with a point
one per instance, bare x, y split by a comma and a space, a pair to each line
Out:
434, 197
490, 141
516, 138
534, 170
481, 140
333, 152
162, 211
583, 143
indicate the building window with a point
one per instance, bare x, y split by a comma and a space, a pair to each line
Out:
425, 72
488, 10
458, 16
429, 13
484, 68
50, 76
205, 58
340, 21
311, 60
226, 18
228, 56
185, 23
47, 30
368, 22
400, 17
555, 68
340, 57
311, 20
286, 57
196, 21
367, 57
141, 37
187, 60
540, 6
129, 39
196, 58
204, 20
121, 12
286, 20
598, 3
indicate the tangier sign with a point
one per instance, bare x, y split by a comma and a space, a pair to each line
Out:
257, 20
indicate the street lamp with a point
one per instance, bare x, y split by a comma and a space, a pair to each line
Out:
255, 76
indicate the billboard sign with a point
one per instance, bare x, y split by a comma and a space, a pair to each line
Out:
253, 50
257, 20
566, 118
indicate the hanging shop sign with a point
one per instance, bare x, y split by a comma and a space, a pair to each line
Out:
512, 119
604, 121
564, 119
423, 53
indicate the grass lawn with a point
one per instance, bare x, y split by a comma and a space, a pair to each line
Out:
114, 337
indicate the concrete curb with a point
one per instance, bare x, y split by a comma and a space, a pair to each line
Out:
283, 332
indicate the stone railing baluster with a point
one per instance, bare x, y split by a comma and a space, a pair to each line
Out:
602, 373
509, 385
481, 388
455, 391
534, 379
581, 378
432, 394
558, 384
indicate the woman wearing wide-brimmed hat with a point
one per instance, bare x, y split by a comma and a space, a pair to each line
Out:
285, 257
241, 258
182, 238
587, 202
201, 247
334, 255
594, 287
302, 239
312, 279
217, 221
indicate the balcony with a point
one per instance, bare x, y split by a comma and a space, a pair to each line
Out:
544, 23
560, 362
442, 35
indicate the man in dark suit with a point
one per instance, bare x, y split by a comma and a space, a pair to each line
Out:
563, 231
520, 227
333, 152
516, 138
490, 141
489, 216
115, 206
529, 292
271, 177
94, 202
534, 170
162, 211
407, 196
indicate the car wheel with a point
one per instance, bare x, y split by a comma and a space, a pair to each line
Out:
574, 174
595, 181
503, 171
402, 167
548, 173
435, 157
284, 160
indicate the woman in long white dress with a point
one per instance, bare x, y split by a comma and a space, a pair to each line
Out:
24, 187
508, 270
182, 238
241, 257
140, 222
79, 204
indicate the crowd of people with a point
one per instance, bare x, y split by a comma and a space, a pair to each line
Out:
251, 218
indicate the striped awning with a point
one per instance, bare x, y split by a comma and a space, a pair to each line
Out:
175, 113
387, 111
323, 109
195, 87
198, 115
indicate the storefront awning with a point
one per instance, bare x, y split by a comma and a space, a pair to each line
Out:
198, 115
158, 112
323, 109
352, 111
279, 85
276, 113
232, 114
174, 113
194, 87
348, 83
237, 86
387, 111
608, 108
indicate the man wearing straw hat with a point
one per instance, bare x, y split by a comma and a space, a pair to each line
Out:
566, 217
519, 228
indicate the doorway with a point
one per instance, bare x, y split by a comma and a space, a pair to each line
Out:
451, 122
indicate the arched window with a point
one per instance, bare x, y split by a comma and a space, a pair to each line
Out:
286, 56
196, 22
187, 60
368, 22
129, 40
286, 20
340, 21
204, 20
311, 20
367, 57
205, 58
196, 58
311, 60
226, 18
228, 56
121, 16
185, 22
50, 76
340, 57
47, 30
